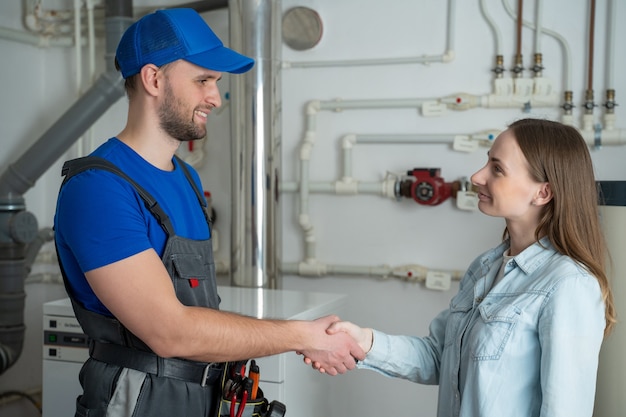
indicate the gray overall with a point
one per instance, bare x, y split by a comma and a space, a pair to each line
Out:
123, 377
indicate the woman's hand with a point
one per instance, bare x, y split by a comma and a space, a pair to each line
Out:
363, 336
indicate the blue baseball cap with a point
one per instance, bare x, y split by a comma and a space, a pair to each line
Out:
168, 35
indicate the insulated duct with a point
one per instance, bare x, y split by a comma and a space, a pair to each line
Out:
255, 31
18, 227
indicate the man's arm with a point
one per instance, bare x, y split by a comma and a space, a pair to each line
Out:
139, 292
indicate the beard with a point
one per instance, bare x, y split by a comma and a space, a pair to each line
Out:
172, 119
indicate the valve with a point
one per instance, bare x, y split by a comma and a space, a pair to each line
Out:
428, 187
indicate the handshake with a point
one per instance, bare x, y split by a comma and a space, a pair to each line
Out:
336, 346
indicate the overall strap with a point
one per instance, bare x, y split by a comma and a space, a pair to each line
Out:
78, 165
199, 194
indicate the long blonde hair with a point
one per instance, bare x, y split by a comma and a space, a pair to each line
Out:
557, 154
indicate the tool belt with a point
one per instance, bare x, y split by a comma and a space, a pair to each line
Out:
148, 362
241, 395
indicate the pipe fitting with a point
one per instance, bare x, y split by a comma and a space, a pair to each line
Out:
312, 268
568, 103
348, 141
589, 104
538, 67
610, 103
313, 107
347, 186
307, 146
518, 68
462, 101
448, 56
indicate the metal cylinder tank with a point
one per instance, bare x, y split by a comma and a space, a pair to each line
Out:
255, 28
610, 398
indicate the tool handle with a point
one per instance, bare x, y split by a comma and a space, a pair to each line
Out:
254, 375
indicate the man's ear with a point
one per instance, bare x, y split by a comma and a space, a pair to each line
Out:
544, 194
150, 76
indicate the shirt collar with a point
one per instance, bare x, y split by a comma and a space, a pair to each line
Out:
535, 255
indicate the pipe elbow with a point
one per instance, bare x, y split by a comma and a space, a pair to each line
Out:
448, 56
313, 107
32, 23
348, 141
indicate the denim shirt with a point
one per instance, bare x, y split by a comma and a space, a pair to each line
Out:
527, 347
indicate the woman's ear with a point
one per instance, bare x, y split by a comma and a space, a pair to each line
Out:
544, 195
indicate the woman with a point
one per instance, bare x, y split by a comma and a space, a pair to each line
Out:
523, 334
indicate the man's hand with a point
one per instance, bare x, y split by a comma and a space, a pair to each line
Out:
362, 336
331, 353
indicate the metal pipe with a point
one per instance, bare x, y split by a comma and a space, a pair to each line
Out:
255, 29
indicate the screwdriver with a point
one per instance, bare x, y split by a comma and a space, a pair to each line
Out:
254, 375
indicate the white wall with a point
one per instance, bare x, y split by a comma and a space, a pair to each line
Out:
364, 230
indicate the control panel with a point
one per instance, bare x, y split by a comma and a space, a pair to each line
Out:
64, 339
65, 349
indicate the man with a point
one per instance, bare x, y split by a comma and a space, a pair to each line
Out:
133, 240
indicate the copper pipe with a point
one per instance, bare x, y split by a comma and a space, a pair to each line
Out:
518, 68
592, 18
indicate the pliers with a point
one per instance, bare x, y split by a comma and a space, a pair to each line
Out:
242, 403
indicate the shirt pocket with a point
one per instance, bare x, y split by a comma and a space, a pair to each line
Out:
492, 330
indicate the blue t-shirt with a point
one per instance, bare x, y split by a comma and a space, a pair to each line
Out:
101, 219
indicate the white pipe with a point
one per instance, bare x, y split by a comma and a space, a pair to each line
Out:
346, 145
47, 28
606, 137
461, 101
445, 57
398, 139
305, 155
318, 269
567, 60
497, 36
40, 41
91, 36
424, 59
538, 25
349, 186
78, 55
610, 45
337, 105
451, 22
47, 22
